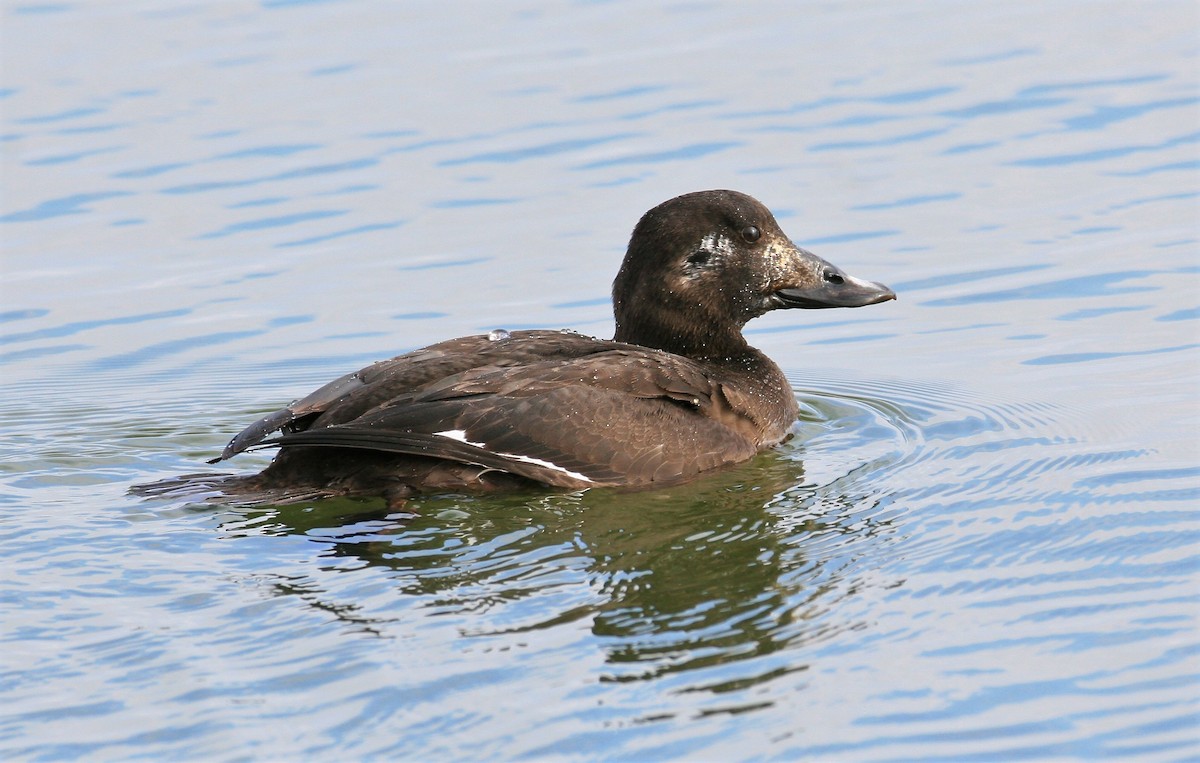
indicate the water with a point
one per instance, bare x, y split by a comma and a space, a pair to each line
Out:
981, 544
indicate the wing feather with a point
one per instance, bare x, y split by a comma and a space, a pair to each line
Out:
392, 381
569, 436
561, 409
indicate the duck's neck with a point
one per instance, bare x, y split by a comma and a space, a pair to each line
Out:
702, 342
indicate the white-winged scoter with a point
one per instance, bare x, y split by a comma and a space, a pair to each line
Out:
676, 392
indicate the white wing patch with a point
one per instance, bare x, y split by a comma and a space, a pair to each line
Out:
457, 434
461, 436
547, 464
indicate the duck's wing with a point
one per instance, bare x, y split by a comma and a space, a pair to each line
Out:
348, 397
621, 417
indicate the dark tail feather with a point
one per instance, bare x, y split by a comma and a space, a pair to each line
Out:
225, 489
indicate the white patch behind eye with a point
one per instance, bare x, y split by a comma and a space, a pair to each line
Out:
717, 246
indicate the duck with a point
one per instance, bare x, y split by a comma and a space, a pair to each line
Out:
677, 392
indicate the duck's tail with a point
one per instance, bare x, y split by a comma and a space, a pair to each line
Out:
226, 489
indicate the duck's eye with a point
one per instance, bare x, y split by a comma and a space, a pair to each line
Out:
751, 233
698, 257
834, 278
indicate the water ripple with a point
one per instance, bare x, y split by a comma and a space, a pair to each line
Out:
999, 565
67, 205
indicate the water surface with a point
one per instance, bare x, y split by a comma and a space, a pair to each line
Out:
980, 544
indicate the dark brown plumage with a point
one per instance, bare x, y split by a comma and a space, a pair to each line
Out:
677, 392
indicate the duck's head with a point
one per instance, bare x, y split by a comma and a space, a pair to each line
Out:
701, 265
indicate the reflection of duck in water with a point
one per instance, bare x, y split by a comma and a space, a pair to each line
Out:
675, 393
729, 568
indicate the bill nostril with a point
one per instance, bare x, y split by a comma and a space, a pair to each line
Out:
834, 278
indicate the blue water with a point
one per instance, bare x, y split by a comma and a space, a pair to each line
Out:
981, 544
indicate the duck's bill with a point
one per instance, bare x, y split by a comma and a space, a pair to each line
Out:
836, 289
